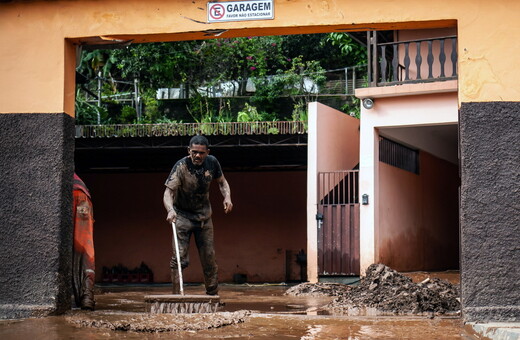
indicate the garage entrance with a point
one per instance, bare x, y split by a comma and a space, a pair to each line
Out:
258, 242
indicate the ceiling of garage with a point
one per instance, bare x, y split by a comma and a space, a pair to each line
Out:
158, 154
241, 152
438, 140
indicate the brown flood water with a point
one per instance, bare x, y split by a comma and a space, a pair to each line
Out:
274, 316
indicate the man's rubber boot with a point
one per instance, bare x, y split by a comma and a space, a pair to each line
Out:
88, 303
212, 286
175, 282
87, 300
212, 291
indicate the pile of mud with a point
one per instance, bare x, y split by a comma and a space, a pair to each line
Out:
318, 289
386, 291
154, 323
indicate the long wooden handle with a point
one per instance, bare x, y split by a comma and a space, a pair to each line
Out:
178, 256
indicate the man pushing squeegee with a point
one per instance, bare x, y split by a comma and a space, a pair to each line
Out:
186, 198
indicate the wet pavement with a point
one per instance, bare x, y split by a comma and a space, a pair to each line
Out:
273, 316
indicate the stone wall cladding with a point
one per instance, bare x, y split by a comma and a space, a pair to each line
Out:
489, 205
36, 168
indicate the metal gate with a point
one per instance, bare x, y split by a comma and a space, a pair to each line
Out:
338, 223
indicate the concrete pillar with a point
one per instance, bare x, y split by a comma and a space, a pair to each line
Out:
312, 186
368, 183
35, 213
489, 211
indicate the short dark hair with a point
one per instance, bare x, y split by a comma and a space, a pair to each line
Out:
199, 140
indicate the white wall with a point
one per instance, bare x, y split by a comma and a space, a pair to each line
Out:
401, 111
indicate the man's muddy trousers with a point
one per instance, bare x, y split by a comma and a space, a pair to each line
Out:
83, 264
203, 233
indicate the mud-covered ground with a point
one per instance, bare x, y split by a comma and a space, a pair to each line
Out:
384, 291
153, 323
120, 314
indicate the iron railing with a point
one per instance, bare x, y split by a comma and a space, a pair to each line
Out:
338, 187
412, 61
190, 129
344, 81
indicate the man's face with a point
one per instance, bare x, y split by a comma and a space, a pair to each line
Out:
198, 153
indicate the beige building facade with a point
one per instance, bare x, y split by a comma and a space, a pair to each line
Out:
41, 39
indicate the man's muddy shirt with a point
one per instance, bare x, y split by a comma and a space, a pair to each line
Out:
192, 184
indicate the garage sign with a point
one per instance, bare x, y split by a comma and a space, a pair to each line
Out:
240, 10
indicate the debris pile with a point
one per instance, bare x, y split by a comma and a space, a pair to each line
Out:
154, 323
386, 290
318, 289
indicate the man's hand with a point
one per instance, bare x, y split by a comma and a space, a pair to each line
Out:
168, 199
228, 206
172, 216
226, 192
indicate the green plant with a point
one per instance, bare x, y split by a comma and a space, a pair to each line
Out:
356, 54
224, 111
128, 115
300, 111
352, 107
200, 109
286, 70
273, 131
151, 108
87, 113
300, 82
249, 114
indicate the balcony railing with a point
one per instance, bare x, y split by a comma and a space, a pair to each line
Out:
412, 61
190, 129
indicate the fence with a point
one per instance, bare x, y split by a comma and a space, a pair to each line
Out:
190, 129
338, 187
412, 61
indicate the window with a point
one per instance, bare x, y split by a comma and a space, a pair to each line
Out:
398, 155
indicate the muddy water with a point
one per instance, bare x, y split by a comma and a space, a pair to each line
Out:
258, 326
274, 316
453, 276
